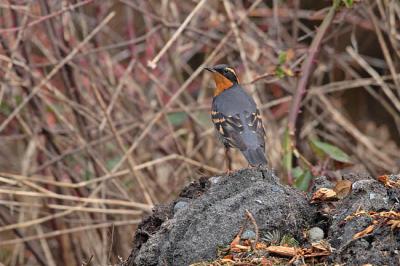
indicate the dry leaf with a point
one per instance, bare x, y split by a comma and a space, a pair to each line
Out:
228, 257
322, 246
283, 251
227, 261
323, 194
261, 245
394, 224
241, 247
236, 240
358, 213
389, 214
390, 218
342, 188
364, 232
385, 179
265, 262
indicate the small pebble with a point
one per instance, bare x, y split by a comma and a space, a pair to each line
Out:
275, 189
386, 200
259, 201
298, 262
315, 234
180, 205
248, 234
372, 196
215, 179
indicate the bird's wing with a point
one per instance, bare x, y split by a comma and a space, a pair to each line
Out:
254, 123
229, 128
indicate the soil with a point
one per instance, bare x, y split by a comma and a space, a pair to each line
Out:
209, 213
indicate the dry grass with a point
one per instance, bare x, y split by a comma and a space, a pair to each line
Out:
104, 106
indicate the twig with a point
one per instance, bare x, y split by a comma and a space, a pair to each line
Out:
376, 76
253, 221
181, 90
68, 231
47, 180
153, 63
55, 70
306, 68
31, 205
349, 127
306, 71
138, 205
131, 162
385, 49
49, 16
88, 262
29, 246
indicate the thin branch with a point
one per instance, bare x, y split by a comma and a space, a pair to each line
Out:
153, 63
307, 68
54, 71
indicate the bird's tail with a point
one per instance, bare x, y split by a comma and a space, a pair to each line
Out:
255, 157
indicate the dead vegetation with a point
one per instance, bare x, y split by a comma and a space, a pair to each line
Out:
252, 252
104, 107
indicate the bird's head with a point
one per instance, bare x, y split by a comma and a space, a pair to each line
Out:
224, 77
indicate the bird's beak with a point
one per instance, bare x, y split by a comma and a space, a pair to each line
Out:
210, 69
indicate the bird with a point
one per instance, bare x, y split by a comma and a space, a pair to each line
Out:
236, 117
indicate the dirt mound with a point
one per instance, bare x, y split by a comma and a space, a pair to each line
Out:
382, 245
209, 213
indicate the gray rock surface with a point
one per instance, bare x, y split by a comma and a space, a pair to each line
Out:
215, 216
209, 213
382, 246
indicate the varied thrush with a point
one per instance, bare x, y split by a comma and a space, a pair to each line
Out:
236, 117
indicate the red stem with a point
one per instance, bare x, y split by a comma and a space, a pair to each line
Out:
306, 71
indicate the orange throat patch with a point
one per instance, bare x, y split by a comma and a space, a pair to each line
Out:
221, 83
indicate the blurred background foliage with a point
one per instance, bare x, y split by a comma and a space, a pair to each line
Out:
105, 108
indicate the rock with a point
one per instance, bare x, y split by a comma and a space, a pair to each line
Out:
315, 234
149, 226
382, 247
248, 234
216, 214
210, 212
180, 205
